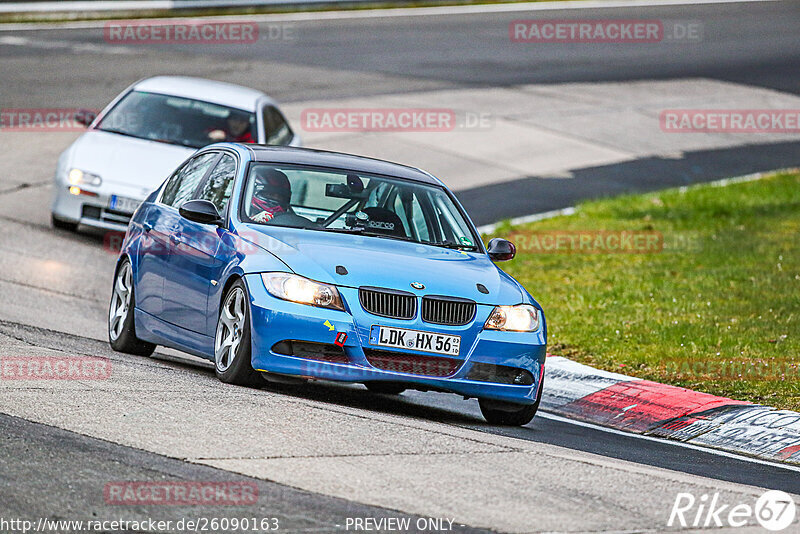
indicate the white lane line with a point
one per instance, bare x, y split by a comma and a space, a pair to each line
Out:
685, 445
12, 40
490, 228
407, 12
738, 179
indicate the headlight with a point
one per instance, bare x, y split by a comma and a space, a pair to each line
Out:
520, 318
78, 177
302, 290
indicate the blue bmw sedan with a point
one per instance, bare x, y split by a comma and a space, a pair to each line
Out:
275, 262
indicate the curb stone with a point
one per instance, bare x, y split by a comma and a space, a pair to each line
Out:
640, 406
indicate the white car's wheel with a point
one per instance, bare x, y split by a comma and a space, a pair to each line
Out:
62, 224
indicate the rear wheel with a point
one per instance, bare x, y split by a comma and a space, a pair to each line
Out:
121, 327
63, 224
385, 388
232, 355
509, 414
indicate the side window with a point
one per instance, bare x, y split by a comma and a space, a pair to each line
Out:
181, 186
277, 131
219, 185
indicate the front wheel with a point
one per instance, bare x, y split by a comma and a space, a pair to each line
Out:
232, 355
121, 327
508, 414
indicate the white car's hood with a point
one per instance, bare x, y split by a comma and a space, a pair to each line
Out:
138, 165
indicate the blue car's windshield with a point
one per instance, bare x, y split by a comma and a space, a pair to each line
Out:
337, 201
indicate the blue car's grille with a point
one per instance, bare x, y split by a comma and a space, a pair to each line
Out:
412, 364
449, 311
388, 302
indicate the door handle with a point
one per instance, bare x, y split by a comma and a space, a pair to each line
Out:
175, 239
147, 227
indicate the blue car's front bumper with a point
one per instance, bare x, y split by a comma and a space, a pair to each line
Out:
274, 320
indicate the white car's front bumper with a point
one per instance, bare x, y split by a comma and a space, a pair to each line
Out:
92, 211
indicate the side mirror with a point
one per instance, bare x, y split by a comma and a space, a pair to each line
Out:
501, 249
85, 116
201, 211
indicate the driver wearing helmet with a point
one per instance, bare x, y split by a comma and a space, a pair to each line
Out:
272, 193
236, 130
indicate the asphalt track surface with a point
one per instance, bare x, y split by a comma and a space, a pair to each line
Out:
54, 286
70, 454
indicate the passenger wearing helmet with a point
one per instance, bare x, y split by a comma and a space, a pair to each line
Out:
237, 129
272, 194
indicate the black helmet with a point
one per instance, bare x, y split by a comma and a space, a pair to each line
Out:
272, 184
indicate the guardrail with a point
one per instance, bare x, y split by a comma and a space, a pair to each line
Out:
110, 6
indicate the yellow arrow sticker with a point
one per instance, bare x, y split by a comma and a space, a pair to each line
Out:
328, 324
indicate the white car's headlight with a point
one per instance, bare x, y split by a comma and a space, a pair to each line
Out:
295, 288
519, 318
79, 177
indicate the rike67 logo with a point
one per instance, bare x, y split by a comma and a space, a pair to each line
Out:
774, 510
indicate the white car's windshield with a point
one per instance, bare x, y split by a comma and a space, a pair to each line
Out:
338, 201
179, 121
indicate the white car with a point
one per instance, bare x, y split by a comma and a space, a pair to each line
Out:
144, 134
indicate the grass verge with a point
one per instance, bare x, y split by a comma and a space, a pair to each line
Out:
713, 304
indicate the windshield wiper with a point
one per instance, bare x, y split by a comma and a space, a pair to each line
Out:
453, 245
363, 231
165, 141
120, 132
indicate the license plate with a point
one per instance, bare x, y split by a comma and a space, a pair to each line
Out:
401, 338
124, 204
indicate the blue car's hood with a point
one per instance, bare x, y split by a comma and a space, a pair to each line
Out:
374, 261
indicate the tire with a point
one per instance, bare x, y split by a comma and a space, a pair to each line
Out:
63, 224
121, 325
385, 388
232, 350
508, 414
